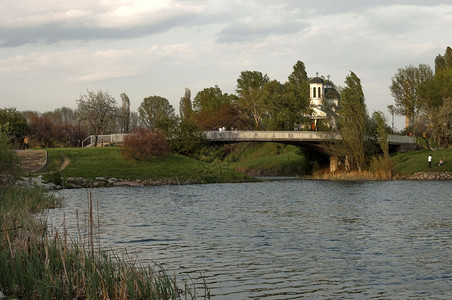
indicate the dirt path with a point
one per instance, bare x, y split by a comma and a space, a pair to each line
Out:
66, 162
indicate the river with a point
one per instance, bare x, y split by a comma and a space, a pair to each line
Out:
286, 239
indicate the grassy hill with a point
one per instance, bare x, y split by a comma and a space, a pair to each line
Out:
108, 162
255, 159
416, 161
267, 159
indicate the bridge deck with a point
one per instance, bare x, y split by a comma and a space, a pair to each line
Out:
291, 136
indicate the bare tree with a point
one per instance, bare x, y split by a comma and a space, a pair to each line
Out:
97, 109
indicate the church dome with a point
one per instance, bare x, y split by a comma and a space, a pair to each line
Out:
316, 80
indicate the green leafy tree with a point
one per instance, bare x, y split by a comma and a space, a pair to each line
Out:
186, 138
382, 132
352, 120
98, 110
210, 99
214, 109
14, 125
405, 88
157, 113
442, 124
298, 88
250, 90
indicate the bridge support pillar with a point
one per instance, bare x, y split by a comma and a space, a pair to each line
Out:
333, 163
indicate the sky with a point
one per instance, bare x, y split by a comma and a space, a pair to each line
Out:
54, 51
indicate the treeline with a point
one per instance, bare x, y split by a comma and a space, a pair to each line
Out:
260, 103
424, 97
421, 94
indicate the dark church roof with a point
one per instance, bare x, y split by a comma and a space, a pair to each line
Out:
316, 80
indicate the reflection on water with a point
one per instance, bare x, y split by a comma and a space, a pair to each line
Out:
286, 239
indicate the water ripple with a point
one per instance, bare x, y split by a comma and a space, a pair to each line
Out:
285, 239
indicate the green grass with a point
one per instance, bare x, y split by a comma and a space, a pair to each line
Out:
269, 159
108, 162
416, 161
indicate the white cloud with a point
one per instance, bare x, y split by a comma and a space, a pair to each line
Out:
54, 50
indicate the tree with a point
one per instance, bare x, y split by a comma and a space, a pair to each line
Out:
42, 131
352, 120
215, 109
124, 114
14, 125
185, 106
250, 87
298, 87
97, 109
382, 133
442, 124
186, 138
210, 99
156, 113
405, 88
9, 164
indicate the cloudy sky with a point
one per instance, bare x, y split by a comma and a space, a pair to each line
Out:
53, 51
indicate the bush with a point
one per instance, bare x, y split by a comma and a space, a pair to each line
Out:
382, 167
9, 164
143, 144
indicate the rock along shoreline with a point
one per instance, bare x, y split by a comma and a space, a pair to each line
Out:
80, 182
430, 176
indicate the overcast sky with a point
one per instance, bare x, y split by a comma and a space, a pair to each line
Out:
53, 51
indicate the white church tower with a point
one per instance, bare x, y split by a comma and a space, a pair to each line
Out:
322, 106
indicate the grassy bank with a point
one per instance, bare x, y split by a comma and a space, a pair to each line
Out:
36, 266
411, 162
253, 159
108, 162
266, 159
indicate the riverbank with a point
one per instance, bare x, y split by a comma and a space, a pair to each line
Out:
97, 167
103, 167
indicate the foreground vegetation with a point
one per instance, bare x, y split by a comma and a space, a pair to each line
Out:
37, 266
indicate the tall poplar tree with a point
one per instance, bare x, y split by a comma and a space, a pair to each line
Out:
352, 120
185, 106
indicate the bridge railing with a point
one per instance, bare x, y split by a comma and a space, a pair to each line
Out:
271, 136
116, 138
302, 136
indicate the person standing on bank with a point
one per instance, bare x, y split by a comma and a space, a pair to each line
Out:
26, 146
429, 160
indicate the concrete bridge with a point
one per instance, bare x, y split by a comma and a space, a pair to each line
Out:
397, 142
321, 141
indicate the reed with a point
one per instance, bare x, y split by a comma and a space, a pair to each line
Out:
35, 265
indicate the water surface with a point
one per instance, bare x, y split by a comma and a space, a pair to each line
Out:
285, 239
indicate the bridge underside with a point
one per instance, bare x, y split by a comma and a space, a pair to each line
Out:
328, 143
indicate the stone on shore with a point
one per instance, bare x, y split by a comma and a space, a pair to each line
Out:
430, 176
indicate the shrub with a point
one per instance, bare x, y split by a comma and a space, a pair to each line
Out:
9, 164
382, 167
143, 144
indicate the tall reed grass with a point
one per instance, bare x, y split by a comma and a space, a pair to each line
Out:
380, 168
35, 265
